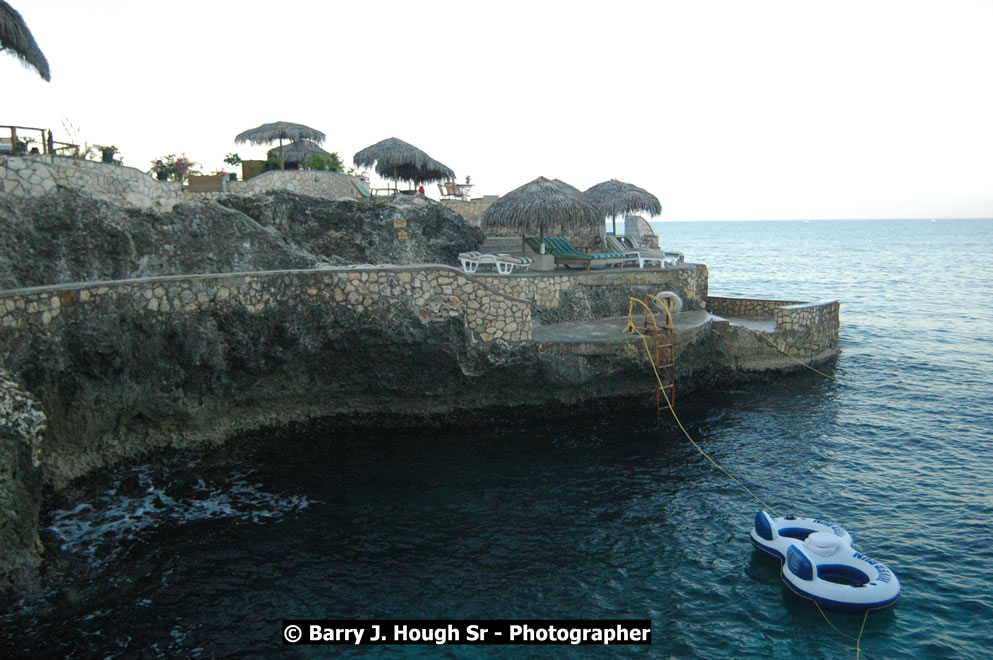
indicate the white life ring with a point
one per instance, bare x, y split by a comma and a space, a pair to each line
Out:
824, 566
671, 300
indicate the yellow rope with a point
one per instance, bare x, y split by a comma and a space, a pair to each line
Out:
797, 360
672, 410
666, 306
836, 627
858, 640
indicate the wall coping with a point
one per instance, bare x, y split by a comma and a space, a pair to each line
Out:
159, 279
818, 303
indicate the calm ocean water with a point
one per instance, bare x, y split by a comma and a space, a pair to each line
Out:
607, 519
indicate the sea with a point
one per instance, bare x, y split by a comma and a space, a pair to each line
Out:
613, 516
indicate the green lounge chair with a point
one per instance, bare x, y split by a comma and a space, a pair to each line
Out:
565, 253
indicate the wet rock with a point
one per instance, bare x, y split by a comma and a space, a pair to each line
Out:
22, 424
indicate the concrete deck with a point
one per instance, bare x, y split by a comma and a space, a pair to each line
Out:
759, 325
610, 331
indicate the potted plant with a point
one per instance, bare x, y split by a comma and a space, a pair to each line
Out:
21, 145
107, 152
233, 159
173, 168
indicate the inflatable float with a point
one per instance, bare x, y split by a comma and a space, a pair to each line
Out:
820, 563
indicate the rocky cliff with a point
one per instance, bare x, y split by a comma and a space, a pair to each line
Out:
117, 382
69, 236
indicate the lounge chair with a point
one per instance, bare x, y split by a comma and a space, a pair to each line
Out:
505, 264
670, 258
643, 256
567, 254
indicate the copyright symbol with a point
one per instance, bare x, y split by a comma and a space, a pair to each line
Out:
292, 634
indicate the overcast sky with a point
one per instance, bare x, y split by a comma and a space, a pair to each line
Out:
723, 109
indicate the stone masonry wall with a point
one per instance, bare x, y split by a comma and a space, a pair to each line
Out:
34, 176
806, 330
471, 210
745, 307
802, 330
436, 293
547, 292
330, 185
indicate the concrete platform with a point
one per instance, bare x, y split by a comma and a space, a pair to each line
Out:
759, 325
610, 331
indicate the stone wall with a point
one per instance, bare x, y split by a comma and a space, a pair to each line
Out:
329, 185
807, 331
34, 176
436, 293
746, 307
604, 293
493, 307
471, 210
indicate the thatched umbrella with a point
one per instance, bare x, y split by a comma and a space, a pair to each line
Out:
617, 198
16, 37
400, 161
540, 205
300, 151
280, 130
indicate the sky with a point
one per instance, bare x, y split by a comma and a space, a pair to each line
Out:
724, 109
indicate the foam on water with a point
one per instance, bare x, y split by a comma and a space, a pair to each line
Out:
102, 527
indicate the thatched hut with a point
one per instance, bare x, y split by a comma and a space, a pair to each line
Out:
299, 153
16, 38
545, 207
279, 130
617, 198
400, 161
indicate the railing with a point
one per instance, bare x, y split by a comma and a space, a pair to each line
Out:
16, 145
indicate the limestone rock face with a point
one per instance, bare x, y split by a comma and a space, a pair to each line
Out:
398, 230
70, 236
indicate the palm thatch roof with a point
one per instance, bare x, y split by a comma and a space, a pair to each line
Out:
541, 206
279, 130
432, 170
617, 198
16, 38
299, 151
395, 159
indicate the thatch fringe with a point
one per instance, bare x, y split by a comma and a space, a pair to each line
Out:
617, 198
279, 130
542, 206
17, 38
395, 159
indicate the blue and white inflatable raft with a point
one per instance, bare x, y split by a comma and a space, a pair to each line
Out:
820, 563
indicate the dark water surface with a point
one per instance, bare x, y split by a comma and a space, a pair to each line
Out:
607, 519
